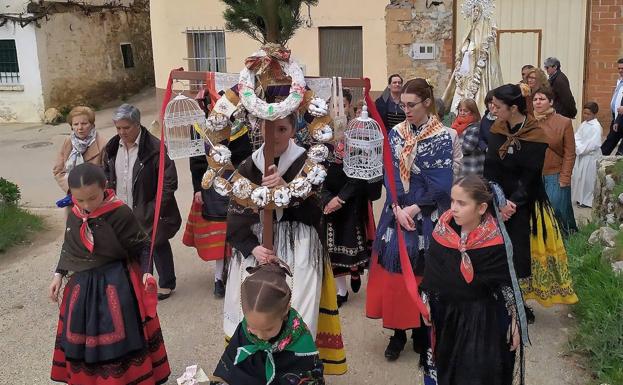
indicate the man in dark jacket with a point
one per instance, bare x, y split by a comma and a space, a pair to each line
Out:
131, 165
616, 107
564, 102
388, 104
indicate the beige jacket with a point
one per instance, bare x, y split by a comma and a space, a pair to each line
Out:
93, 155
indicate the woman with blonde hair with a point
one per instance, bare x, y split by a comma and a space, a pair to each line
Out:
83, 145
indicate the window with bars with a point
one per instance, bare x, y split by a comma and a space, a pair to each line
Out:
206, 50
9, 67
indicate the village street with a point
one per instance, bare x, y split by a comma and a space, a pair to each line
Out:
192, 318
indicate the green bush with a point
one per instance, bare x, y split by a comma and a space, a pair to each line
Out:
600, 309
16, 226
9, 193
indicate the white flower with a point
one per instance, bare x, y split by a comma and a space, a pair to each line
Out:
216, 122
318, 153
318, 107
221, 154
300, 187
207, 179
260, 196
316, 175
281, 196
222, 186
242, 188
323, 134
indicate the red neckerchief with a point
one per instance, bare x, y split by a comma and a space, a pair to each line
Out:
110, 203
461, 123
486, 234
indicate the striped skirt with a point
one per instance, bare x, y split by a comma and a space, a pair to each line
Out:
208, 237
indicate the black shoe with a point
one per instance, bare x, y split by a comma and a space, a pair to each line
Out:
341, 299
219, 289
164, 293
396, 345
420, 339
529, 315
355, 282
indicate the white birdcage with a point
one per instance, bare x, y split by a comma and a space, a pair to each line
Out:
184, 128
363, 148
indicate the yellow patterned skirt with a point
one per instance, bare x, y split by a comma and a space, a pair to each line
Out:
550, 282
329, 335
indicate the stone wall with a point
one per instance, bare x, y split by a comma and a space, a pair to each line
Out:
608, 197
408, 22
605, 47
81, 60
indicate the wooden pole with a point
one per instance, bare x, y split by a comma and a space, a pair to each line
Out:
269, 160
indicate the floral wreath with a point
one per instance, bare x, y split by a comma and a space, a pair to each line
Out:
272, 111
249, 194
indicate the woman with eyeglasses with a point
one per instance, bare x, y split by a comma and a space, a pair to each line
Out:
421, 150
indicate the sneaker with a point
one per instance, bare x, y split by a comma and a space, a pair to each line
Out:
341, 299
355, 282
219, 289
396, 345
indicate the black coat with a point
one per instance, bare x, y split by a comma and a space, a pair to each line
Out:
145, 183
564, 102
520, 176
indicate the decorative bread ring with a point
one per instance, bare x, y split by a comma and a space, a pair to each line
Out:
300, 187
281, 196
208, 179
261, 196
222, 186
318, 153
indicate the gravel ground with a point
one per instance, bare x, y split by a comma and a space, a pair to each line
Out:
191, 319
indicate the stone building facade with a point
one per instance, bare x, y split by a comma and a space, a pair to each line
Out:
410, 22
70, 54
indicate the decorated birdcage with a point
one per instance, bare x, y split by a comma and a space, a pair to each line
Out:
363, 148
184, 128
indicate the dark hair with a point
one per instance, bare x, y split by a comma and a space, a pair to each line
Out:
86, 174
423, 90
471, 105
488, 99
347, 94
510, 94
441, 108
546, 90
620, 61
527, 66
389, 79
477, 188
592, 106
266, 290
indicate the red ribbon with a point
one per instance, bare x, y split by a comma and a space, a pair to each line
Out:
110, 203
270, 62
405, 262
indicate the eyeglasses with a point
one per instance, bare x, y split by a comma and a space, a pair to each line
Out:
409, 106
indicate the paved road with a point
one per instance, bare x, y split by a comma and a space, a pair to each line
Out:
191, 318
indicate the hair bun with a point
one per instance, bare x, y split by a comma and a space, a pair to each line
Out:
276, 266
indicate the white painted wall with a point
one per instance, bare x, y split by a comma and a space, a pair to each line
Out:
22, 102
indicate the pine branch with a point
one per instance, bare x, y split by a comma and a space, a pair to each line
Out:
255, 19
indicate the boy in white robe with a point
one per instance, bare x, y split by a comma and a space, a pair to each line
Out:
587, 149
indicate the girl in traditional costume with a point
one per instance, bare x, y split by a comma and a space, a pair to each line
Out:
514, 160
345, 205
272, 344
206, 227
297, 242
108, 330
422, 155
559, 157
587, 148
467, 281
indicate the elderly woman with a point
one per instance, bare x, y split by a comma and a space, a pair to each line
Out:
131, 165
84, 145
559, 157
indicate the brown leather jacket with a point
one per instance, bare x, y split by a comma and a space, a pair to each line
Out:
93, 155
560, 155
